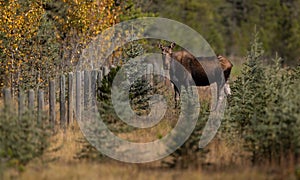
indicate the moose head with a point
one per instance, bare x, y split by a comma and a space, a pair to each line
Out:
166, 52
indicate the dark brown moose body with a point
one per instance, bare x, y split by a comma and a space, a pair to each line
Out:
203, 70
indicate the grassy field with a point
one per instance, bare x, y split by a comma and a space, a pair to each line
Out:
60, 162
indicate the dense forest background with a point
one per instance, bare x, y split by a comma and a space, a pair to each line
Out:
228, 24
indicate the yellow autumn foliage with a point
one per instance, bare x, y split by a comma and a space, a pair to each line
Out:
36, 43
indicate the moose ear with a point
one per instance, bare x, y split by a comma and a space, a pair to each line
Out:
172, 45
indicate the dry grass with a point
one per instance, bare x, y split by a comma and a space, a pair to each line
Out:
223, 155
59, 163
156, 132
117, 171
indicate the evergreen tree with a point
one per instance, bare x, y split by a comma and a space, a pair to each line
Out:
262, 111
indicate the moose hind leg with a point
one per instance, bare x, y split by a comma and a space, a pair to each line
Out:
220, 94
227, 89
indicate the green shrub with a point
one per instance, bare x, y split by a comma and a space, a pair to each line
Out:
139, 91
21, 138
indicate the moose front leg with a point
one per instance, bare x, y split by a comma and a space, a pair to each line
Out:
177, 95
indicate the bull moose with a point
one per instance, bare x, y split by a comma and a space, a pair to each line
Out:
199, 69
